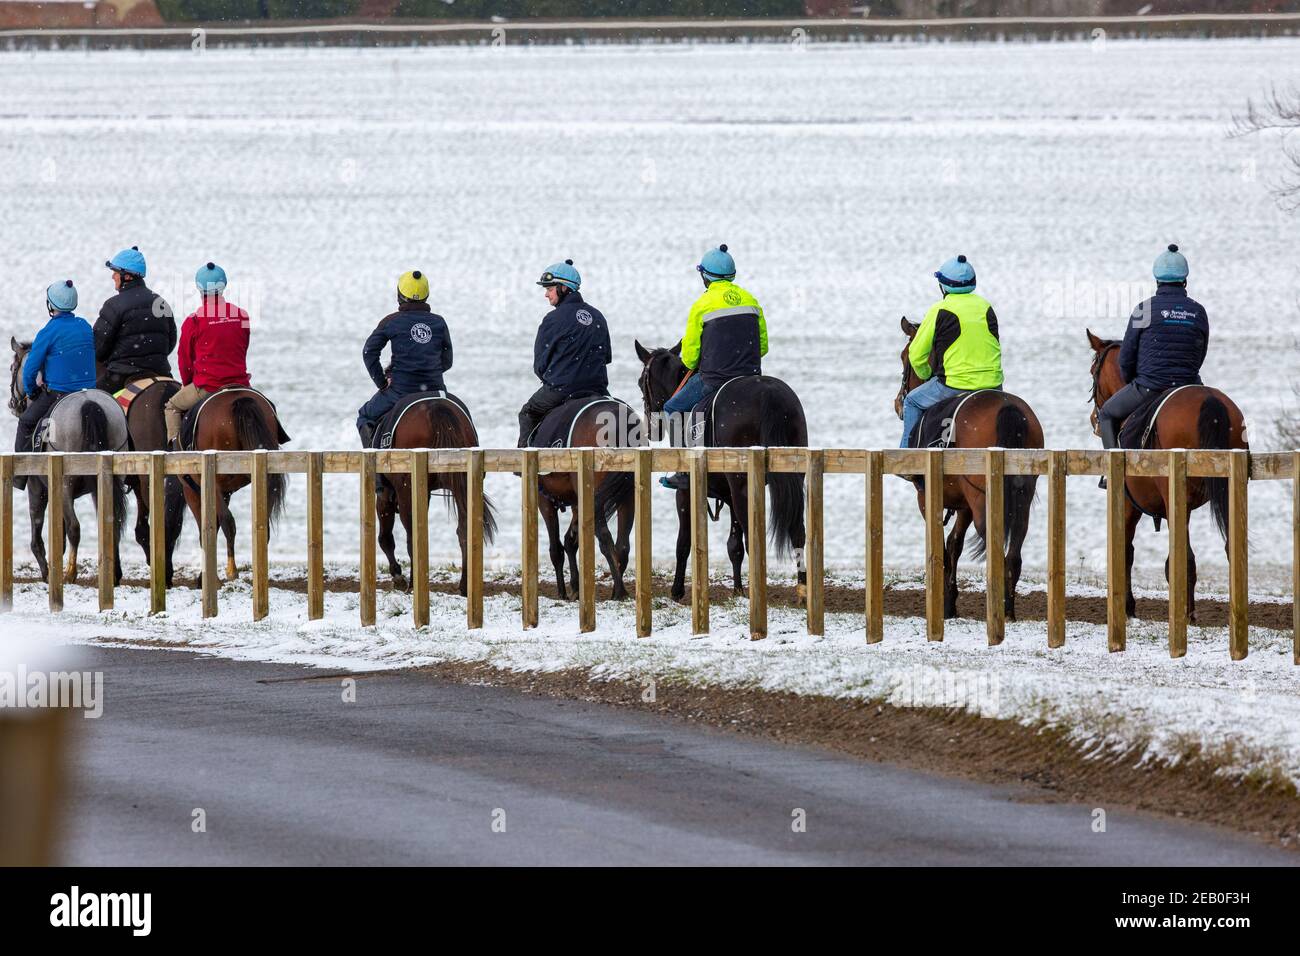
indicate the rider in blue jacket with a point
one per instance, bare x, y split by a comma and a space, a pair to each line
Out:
63, 354
1164, 346
420, 347
571, 349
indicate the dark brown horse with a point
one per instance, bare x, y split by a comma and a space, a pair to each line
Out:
148, 430
603, 423
236, 419
989, 419
759, 411
1193, 417
433, 423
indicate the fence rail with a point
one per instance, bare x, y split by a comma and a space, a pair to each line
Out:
1238, 467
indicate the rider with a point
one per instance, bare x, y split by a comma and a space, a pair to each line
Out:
956, 347
214, 348
135, 331
571, 349
420, 351
64, 353
726, 337
1164, 346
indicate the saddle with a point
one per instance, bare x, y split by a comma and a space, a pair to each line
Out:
60, 430
388, 424
935, 429
556, 429
190, 423
134, 389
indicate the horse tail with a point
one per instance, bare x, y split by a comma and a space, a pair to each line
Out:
1012, 430
254, 432
446, 430
1213, 431
778, 428
95, 437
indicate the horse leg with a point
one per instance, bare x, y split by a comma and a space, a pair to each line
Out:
173, 522
119, 495
551, 518
461, 528
611, 558
626, 515
386, 512
951, 556
140, 488
571, 549
227, 521
683, 545
739, 536
37, 499
1013, 567
1131, 518
195, 504
71, 531
405, 508
1191, 584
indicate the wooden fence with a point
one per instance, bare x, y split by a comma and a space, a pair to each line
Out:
1238, 467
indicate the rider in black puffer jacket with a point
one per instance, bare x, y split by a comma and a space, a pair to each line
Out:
136, 331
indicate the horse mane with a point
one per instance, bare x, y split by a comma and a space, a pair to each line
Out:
1098, 361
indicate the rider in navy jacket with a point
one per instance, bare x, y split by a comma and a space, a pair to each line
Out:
1164, 347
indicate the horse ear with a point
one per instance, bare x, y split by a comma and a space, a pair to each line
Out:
1096, 343
642, 352
13, 344
909, 328
677, 349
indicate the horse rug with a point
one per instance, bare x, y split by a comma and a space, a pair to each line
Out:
61, 429
190, 424
936, 427
388, 424
1139, 429
706, 411
133, 390
556, 429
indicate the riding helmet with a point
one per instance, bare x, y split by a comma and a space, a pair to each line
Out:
211, 279
128, 260
718, 264
413, 286
956, 275
62, 296
562, 273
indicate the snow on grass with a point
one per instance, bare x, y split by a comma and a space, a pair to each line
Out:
1110, 703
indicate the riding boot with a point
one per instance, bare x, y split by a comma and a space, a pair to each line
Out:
367, 432
1109, 438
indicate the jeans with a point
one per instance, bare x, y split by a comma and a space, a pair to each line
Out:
37, 408
926, 395
174, 411
680, 406
1119, 407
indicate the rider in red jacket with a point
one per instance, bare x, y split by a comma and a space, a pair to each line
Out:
213, 349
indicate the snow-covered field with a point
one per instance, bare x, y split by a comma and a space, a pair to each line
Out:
840, 176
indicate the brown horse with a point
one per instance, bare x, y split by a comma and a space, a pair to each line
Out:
1193, 417
603, 423
236, 419
433, 423
989, 419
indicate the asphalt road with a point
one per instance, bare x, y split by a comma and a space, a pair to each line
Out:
422, 771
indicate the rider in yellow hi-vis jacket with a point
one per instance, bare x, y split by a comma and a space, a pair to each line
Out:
956, 347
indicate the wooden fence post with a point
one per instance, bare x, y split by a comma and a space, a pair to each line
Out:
757, 538
105, 530
1238, 572
261, 533
643, 479
158, 532
699, 474
7, 533
315, 537
934, 544
54, 553
816, 550
528, 497
420, 538
995, 573
586, 540
1116, 556
1176, 496
474, 538
367, 474
875, 581
1056, 470
208, 531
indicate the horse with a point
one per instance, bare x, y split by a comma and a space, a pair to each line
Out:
760, 411
148, 430
990, 418
603, 422
94, 435
433, 422
1196, 416
234, 419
